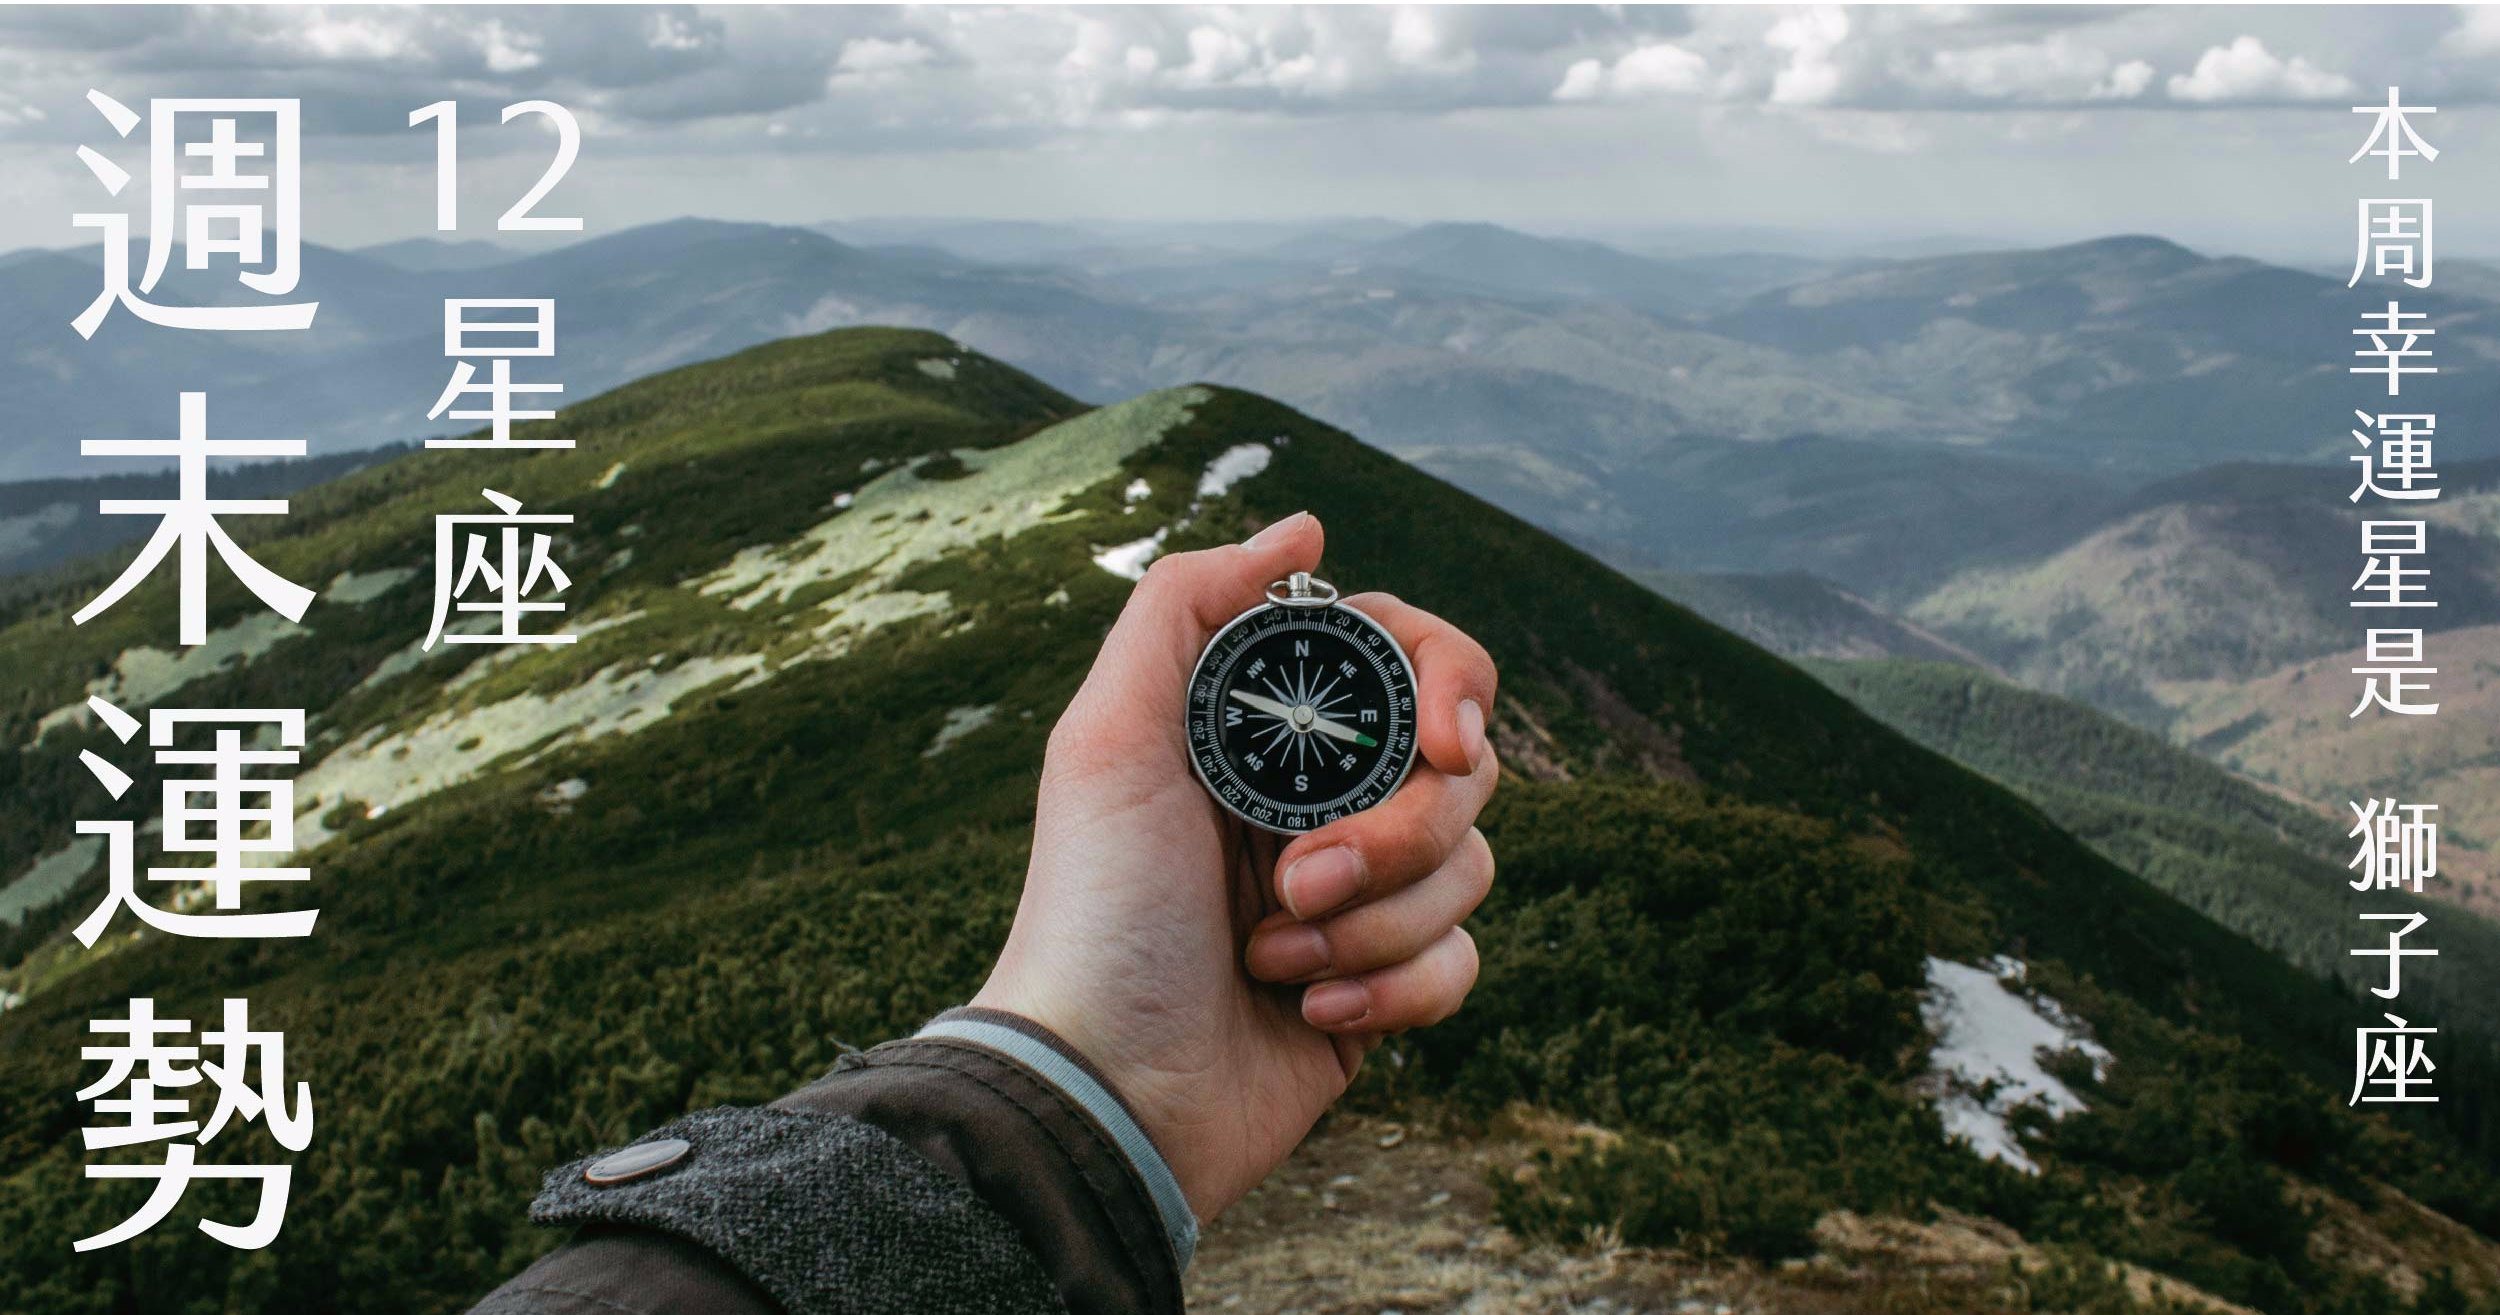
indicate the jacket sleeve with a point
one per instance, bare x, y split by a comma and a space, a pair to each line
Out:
980, 1166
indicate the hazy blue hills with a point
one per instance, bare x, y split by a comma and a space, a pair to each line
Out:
1886, 424
2129, 354
2163, 591
424, 254
1798, 615
1505, 261
627, 304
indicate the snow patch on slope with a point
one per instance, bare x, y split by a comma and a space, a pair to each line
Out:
1232, 466
1130, 560
358, 588
142, 676
384, 772
892, 524
899, 520
960, 722
1986, 1059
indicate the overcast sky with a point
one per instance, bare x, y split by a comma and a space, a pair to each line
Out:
2224, 127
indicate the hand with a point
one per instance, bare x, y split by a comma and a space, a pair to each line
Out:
1153, 925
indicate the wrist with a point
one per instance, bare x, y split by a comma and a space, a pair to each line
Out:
1027, 1037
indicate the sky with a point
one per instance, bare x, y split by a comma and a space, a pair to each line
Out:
2224, 127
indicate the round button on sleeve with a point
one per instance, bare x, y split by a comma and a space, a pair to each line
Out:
651, 1157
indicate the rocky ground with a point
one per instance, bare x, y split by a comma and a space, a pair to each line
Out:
1378, 1218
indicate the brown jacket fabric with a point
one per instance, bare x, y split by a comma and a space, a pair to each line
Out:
924, 1175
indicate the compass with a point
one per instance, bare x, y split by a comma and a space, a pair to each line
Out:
1301, 710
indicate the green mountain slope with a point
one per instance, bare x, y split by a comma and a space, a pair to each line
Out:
2254, 861
832, 592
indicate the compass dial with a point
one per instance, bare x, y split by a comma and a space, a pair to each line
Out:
1299, 716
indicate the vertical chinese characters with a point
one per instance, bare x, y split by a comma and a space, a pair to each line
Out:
224, 180
482, 569
2399, 840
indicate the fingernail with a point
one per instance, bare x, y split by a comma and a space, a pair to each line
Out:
1288, 953
1277, 531
1335, 1004
1471, 729
1319, 882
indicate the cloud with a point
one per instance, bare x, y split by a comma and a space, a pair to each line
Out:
2059, 69
365, 68
2477, 32
2125, 82
874, 55
2246, 71
1418, 39
1811, 76
1659, 69
907, 79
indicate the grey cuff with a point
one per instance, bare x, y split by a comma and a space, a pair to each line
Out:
1073, 1080
752, 1185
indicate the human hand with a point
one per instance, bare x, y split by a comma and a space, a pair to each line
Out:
1228, 990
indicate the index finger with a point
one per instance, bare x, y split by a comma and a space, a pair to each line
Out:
1454, 680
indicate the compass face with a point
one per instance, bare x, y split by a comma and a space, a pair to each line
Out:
1299, 716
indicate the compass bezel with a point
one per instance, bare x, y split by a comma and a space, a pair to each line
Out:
1266, 812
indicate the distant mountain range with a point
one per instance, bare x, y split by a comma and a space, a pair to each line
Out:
2074, 465
425, 254
2212, 610
1798, 615
1879, 422
1480, 349
628, 304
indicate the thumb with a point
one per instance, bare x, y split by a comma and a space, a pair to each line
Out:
1178, 606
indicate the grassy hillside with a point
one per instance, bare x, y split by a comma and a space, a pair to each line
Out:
2262, 864
566, 894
